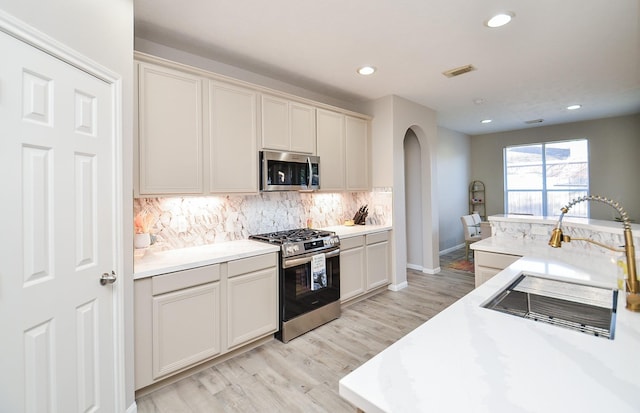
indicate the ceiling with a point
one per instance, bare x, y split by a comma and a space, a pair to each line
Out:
553, 53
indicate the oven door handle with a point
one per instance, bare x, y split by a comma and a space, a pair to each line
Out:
294, 262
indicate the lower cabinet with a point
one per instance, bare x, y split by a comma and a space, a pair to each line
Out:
252, 299
201, 307
488, 264
352, 267
188, 317
377, 259
364, 264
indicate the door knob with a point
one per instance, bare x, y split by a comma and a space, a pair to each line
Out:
107, 278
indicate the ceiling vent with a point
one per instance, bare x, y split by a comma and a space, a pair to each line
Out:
531, 122
459, 71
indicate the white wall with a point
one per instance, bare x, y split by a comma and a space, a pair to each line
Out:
393, 116
454, 176
614, 146
103, 31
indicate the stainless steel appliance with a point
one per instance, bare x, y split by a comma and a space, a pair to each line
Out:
285, 171
309, 279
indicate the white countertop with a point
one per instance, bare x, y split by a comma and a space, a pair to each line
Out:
471, 359
148, 263
345, 231
155, 263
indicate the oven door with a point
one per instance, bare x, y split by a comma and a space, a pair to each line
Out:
310, 281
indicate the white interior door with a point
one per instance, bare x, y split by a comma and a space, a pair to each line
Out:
58, 235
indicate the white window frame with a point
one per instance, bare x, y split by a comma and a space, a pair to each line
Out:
576, 191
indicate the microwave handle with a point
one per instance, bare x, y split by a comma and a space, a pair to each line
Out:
310, 172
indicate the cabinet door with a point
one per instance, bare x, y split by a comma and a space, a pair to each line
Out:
186, 328
302, 121
275, 123
233, 154
170, 153
357, 154
352, 278
377, 264
252, 306
330, 141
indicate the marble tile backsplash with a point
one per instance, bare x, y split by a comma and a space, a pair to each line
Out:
540, 233
191, 221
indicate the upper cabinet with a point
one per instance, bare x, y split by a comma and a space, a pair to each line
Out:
199, 133
344, 151
357, 153
331, 150
170, 145
232, 139
288, 125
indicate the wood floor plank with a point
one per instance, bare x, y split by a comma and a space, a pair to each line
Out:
303, 375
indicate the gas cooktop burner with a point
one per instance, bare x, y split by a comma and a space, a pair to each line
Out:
292, 235
295, 242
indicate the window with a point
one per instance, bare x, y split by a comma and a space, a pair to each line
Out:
542, 178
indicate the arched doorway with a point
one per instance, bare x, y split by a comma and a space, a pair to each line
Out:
413, 200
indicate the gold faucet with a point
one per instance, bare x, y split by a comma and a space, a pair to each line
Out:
632, 285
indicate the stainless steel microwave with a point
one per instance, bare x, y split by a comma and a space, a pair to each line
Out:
285, 171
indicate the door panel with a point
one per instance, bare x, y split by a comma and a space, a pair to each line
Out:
57, 152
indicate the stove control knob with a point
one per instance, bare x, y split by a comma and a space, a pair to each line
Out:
291, 249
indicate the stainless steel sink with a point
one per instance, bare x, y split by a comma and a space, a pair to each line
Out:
580, 307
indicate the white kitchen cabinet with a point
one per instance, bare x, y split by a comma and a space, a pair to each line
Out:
377, 259
169, 308
186, 328
488, 264
185, 318
352, 267
288, 125
232, 119
356, 154
342, 143
364, 264
331, 150
170, 151
252, 299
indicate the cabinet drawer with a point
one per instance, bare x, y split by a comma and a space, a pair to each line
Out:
377, 237
251, 264
352, 242
184, 279
494, 260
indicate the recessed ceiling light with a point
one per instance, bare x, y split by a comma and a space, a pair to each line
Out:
574, 107
478, 101
366, 70
500, 19
486, 121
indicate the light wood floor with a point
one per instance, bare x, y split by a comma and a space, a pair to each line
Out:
303, 375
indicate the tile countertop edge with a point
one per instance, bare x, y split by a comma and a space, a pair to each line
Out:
165, 262
496, 358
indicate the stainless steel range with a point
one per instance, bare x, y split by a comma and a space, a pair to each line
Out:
309, 279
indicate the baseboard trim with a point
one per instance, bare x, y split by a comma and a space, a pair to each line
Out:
454, 248
415, 267
398, 287
431, 271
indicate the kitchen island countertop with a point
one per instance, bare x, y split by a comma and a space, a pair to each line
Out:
468, 358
